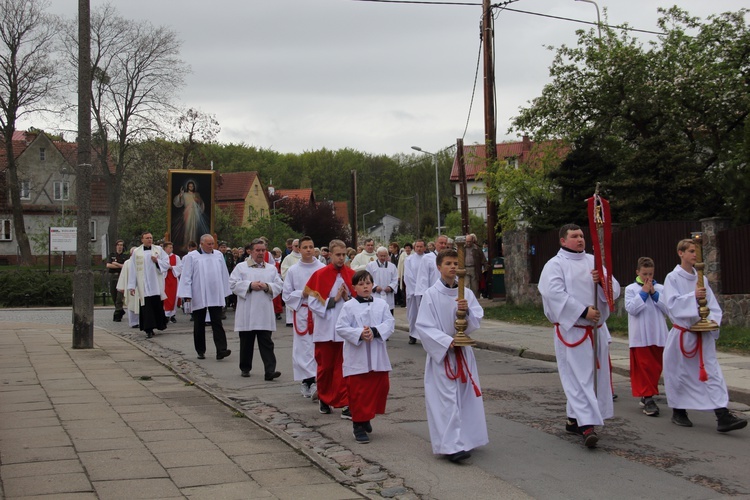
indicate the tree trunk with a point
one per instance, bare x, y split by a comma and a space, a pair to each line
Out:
26, 259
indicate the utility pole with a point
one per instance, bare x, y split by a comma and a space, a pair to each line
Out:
354, 208
463, 190
83, 278
490, 127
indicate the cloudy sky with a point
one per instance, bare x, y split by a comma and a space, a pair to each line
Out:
300, 75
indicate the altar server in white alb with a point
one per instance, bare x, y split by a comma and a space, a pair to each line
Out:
304, 366
569, 284
255, 283
365, 324
428, 275
647, 333
411, 269
385, 277
453, 396
692, 376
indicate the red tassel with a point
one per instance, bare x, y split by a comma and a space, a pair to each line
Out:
702, 375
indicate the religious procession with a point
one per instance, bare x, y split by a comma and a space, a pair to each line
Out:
340, 303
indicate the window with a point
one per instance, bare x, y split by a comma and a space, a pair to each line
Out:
262, 213
42, 154
256, 189
5, 230
25, 190
62, 190
92, 229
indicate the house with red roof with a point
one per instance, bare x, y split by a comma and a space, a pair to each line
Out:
242, 196
475, 162
298, 194
47, 178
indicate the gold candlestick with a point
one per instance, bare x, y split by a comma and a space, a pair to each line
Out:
461, 339
703, 324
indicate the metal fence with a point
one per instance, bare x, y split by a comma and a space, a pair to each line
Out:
733, 246
657, 240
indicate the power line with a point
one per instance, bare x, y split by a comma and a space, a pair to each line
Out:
503, 6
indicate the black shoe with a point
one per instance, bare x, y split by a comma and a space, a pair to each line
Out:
412, 340
680, 417
728, 421
324, 408
345, 413
459, 456
149, 334
191, 317
289, 324
223, 354
360, 434
172, 319
589, 437
272, 375
245, 374
278, 317
571, 427
368, 427
201, 355
650, 408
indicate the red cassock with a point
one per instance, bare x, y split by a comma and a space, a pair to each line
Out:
170, 285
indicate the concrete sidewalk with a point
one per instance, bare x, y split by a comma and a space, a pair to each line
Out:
537, 343
112, 422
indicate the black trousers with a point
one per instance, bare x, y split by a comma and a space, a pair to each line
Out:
151, 314
199, 329
265, 347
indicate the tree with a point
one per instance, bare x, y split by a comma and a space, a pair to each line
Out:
317, 221
136, 72
195, 127
28, 81
453, 225
668, 117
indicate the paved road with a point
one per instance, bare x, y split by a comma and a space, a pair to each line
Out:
529, 453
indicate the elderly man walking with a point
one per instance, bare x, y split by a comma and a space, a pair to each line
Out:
205, 285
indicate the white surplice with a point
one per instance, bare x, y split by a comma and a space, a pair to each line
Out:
360, 356
325, 319
386, 276
303, 348
361, 260
146, 276
455, 414
567, 288
411, 269
647, 323
131, 303
255, 307
204, 280
428, 274
682, 386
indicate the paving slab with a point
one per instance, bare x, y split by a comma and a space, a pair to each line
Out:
127, 489
228, 491
47, 484
207, 474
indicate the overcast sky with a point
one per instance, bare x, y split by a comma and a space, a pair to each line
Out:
300, 75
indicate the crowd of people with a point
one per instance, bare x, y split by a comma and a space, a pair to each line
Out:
339, 302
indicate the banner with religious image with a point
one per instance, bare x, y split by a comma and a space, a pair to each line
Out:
190, 206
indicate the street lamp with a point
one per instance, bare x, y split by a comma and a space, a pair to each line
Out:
598, 19
276, 201
437, 183
363, 218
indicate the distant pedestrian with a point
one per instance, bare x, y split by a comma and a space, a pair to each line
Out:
365, 324
385, 277
171, 280
114, 264
411, 270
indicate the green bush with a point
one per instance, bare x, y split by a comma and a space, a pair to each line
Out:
42, 289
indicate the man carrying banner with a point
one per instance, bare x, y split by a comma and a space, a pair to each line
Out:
575, 302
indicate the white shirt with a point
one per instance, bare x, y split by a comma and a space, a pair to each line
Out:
255, 307
204, 279
360, 356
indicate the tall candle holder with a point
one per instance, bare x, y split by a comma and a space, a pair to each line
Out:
461, 339
703, 324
